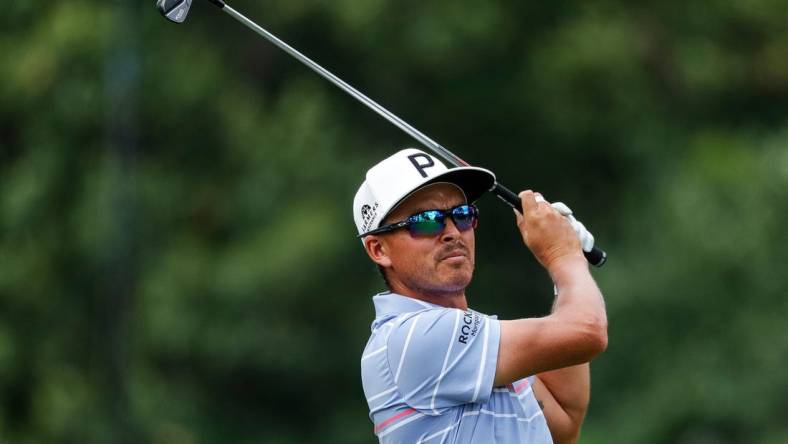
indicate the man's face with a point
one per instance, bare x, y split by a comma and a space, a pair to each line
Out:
435, 265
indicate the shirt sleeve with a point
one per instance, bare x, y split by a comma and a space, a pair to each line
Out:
442, 358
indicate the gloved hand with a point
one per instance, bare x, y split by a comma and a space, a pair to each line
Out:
586, 238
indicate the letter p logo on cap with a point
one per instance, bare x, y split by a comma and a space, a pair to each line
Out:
421, 166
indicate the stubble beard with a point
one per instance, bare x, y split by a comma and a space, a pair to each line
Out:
453, 284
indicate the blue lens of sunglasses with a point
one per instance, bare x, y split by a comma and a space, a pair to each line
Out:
432, 222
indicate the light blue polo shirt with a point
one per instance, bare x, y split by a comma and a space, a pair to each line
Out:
428, 376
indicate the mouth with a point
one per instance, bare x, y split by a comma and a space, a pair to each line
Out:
453, 256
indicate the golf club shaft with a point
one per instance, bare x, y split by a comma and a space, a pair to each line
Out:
383, 112
596, 257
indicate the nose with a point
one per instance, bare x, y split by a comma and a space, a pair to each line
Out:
450, 231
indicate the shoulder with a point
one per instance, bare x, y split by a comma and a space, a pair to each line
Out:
423, 324
430, 325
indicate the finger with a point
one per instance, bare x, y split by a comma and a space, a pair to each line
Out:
518, 216
588, 241
529, 200
541, 202
585, 236
578, 226
562, 208
575, 226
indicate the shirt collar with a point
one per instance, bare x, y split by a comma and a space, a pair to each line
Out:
388, 304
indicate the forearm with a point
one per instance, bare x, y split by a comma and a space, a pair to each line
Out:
578, 298
573, 334
567, 390
576, 331
576, 289
564, 395
571, 388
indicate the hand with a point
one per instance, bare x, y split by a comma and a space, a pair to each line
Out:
547, 233
585, 237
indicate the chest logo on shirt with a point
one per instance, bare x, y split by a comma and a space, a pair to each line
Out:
470, 326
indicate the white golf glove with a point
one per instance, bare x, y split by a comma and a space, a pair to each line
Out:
586, 238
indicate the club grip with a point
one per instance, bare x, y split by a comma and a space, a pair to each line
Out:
595, 257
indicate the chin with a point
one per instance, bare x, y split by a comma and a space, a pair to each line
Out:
458, 281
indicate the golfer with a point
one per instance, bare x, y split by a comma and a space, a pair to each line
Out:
436, 371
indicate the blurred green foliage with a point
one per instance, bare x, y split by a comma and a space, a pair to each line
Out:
178, 262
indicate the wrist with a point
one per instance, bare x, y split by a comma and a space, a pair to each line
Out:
565, 269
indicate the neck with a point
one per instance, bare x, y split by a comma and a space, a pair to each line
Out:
449, 299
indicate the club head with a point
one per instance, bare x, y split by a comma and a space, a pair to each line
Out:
174, 10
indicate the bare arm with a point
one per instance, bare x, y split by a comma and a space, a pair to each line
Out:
564, 395
573, 334
556, 347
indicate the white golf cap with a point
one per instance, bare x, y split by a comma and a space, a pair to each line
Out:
392, 180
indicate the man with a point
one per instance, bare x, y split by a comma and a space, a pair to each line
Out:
435, 371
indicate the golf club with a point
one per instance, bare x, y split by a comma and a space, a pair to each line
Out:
176, 11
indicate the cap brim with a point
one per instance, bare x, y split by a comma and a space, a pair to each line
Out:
473, 181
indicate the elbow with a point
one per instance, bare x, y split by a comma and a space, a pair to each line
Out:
597, 331
592, 339
584, 338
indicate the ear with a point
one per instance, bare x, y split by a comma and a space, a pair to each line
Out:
377, 250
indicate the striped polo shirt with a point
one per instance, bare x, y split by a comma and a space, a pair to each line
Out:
428, 376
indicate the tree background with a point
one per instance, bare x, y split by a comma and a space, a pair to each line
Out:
178, 262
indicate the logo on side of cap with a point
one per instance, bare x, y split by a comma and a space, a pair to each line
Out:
368, 214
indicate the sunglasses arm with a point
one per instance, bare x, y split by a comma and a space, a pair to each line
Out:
385, 229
